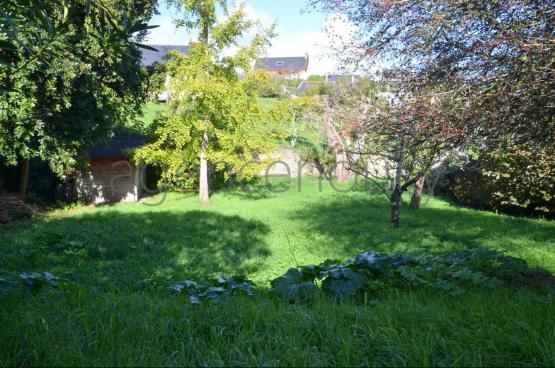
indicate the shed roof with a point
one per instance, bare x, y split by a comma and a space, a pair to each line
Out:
299, 63
118, 146
151, 57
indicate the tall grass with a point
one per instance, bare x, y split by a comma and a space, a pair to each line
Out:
503, 328
120, 258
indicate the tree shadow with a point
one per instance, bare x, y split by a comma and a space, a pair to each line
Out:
120, 250
361, 223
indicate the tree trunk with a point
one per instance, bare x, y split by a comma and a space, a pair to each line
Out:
334, 141
396, 206
204, 190
396, 195
203, 179
24, 179
341, 173
294, 134
417, 195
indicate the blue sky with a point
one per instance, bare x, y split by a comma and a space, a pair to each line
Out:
298, 32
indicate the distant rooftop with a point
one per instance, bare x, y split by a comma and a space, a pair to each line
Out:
151, 57
298, 63
118, 146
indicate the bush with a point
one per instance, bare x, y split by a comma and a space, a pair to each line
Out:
371, 272
368, 273
278, 87
321, 89
487, 184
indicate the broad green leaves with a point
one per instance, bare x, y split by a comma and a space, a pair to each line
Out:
296, 284
31, 282
70, 75
343, 281
452, 272
214, 290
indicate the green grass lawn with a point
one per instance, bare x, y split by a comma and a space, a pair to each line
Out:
151, 110
120, 257
268, 102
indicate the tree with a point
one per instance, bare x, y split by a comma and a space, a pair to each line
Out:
216, 115
395, 133
71, 74
502, 51
295, 111
335, 143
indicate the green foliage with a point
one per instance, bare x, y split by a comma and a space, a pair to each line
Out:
318, 90
35, 281
293, 112
71, 75
211, 105
316, 78
31, 282
296, 284
277, 87
214, 290
317, 152
370, 272
342, 281
517, 182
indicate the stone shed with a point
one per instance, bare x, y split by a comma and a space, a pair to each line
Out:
111, 175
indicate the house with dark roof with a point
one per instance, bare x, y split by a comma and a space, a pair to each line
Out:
111, 175
151, 57
286, 67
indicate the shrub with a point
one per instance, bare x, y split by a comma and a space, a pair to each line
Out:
214, 290
515, 188
371, 272
278, 87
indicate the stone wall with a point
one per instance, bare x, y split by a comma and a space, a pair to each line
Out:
286, 161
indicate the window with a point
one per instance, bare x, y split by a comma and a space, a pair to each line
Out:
279, 63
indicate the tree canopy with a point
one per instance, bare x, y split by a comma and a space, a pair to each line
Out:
497, 57
216, 117
71, 74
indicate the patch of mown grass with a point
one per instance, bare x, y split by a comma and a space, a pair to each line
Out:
121, 258
151, 110
268, 102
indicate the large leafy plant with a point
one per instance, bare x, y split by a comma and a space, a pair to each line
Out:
214, 290
452, 272
31, 282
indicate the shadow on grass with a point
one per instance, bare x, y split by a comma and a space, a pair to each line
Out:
362, 224
115, 249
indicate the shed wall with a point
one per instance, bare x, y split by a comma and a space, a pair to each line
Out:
110, 179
